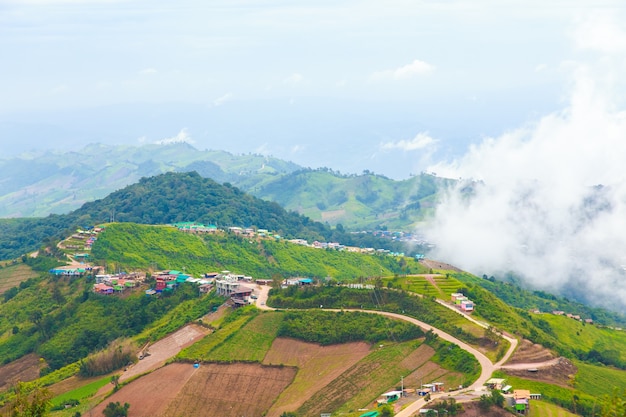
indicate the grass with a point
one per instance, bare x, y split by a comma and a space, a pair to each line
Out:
598, 380
252, 342
80, 394
585, 337
545, 409
202, 349
12, 275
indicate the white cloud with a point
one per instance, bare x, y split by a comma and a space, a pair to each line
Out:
223, 99
536, 207
293, 79
600, 32
421, 141
541, 67
181, 137
413, 69
148, 71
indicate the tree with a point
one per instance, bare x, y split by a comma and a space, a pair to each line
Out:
497, 398
114, 409
115, 380
288, 414
485, 402
33, 404
386, 411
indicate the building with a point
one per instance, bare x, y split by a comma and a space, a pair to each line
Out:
495, 383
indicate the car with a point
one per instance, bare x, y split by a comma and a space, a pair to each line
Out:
262, 303
254, 297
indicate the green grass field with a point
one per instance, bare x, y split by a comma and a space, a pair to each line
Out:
12, 275
585, 337
252, 342
545, 409
599, 380
81, 393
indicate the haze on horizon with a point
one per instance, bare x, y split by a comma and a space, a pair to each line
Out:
525, 96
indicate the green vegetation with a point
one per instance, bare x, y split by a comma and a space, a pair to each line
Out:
327, 328
424, 309
129, 245
511, 292
79, 394
595, 380
171, 198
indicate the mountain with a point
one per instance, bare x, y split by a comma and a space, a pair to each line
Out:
176, 197
41, 184
36, 185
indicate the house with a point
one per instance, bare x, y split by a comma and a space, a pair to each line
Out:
467, 306
495, 383
389, 397
521, 399
205, 288
455, 295
102, 289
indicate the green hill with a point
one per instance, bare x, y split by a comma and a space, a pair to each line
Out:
170, 198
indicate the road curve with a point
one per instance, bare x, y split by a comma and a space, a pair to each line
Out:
487, 367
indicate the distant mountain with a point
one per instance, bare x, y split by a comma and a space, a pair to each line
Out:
170, 198
55, 183
38, 185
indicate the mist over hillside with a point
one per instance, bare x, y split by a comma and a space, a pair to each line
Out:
546, 201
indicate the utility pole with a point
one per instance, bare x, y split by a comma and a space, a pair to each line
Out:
402, 385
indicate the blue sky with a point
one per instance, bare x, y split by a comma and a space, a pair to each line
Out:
393, 87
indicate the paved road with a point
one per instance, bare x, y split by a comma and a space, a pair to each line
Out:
487, 367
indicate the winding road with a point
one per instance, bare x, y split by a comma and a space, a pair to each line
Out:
487, 367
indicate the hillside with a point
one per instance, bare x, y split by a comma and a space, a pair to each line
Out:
57, 183
170, 198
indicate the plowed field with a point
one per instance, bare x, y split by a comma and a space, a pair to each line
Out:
210, 390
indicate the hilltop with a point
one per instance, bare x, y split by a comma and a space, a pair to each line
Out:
37, 185
170, 198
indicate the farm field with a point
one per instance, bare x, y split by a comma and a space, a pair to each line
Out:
252, 342
586, 337
364, 381
544, 409
164, 349
24, 369
151, 394
599, 380
317, 366
12, 275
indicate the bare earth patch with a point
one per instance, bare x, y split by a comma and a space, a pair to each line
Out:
560, 373
151, 394
318, 366
429, 263
166, 348
230, 390
528, 352
24, 369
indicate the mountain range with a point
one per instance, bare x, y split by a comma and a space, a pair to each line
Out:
38, 184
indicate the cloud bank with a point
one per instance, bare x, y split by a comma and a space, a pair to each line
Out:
545, 201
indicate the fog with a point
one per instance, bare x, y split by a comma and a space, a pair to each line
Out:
547, 201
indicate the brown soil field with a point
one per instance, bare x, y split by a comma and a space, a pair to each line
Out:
211, 390
12, 276
429, 263
318, 366
24, 369
527, 352
165, 349
230, 390
151, 394
559, 374
418, 357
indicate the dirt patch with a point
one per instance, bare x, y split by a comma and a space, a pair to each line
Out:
318, 366
559, 374
429, 263
418, 357
528, 352
165, 349
332, 215
22, 370
151, 394
230, 390
13, 275
471, 409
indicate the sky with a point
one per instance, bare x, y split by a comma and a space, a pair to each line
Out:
521, 100
396, 85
